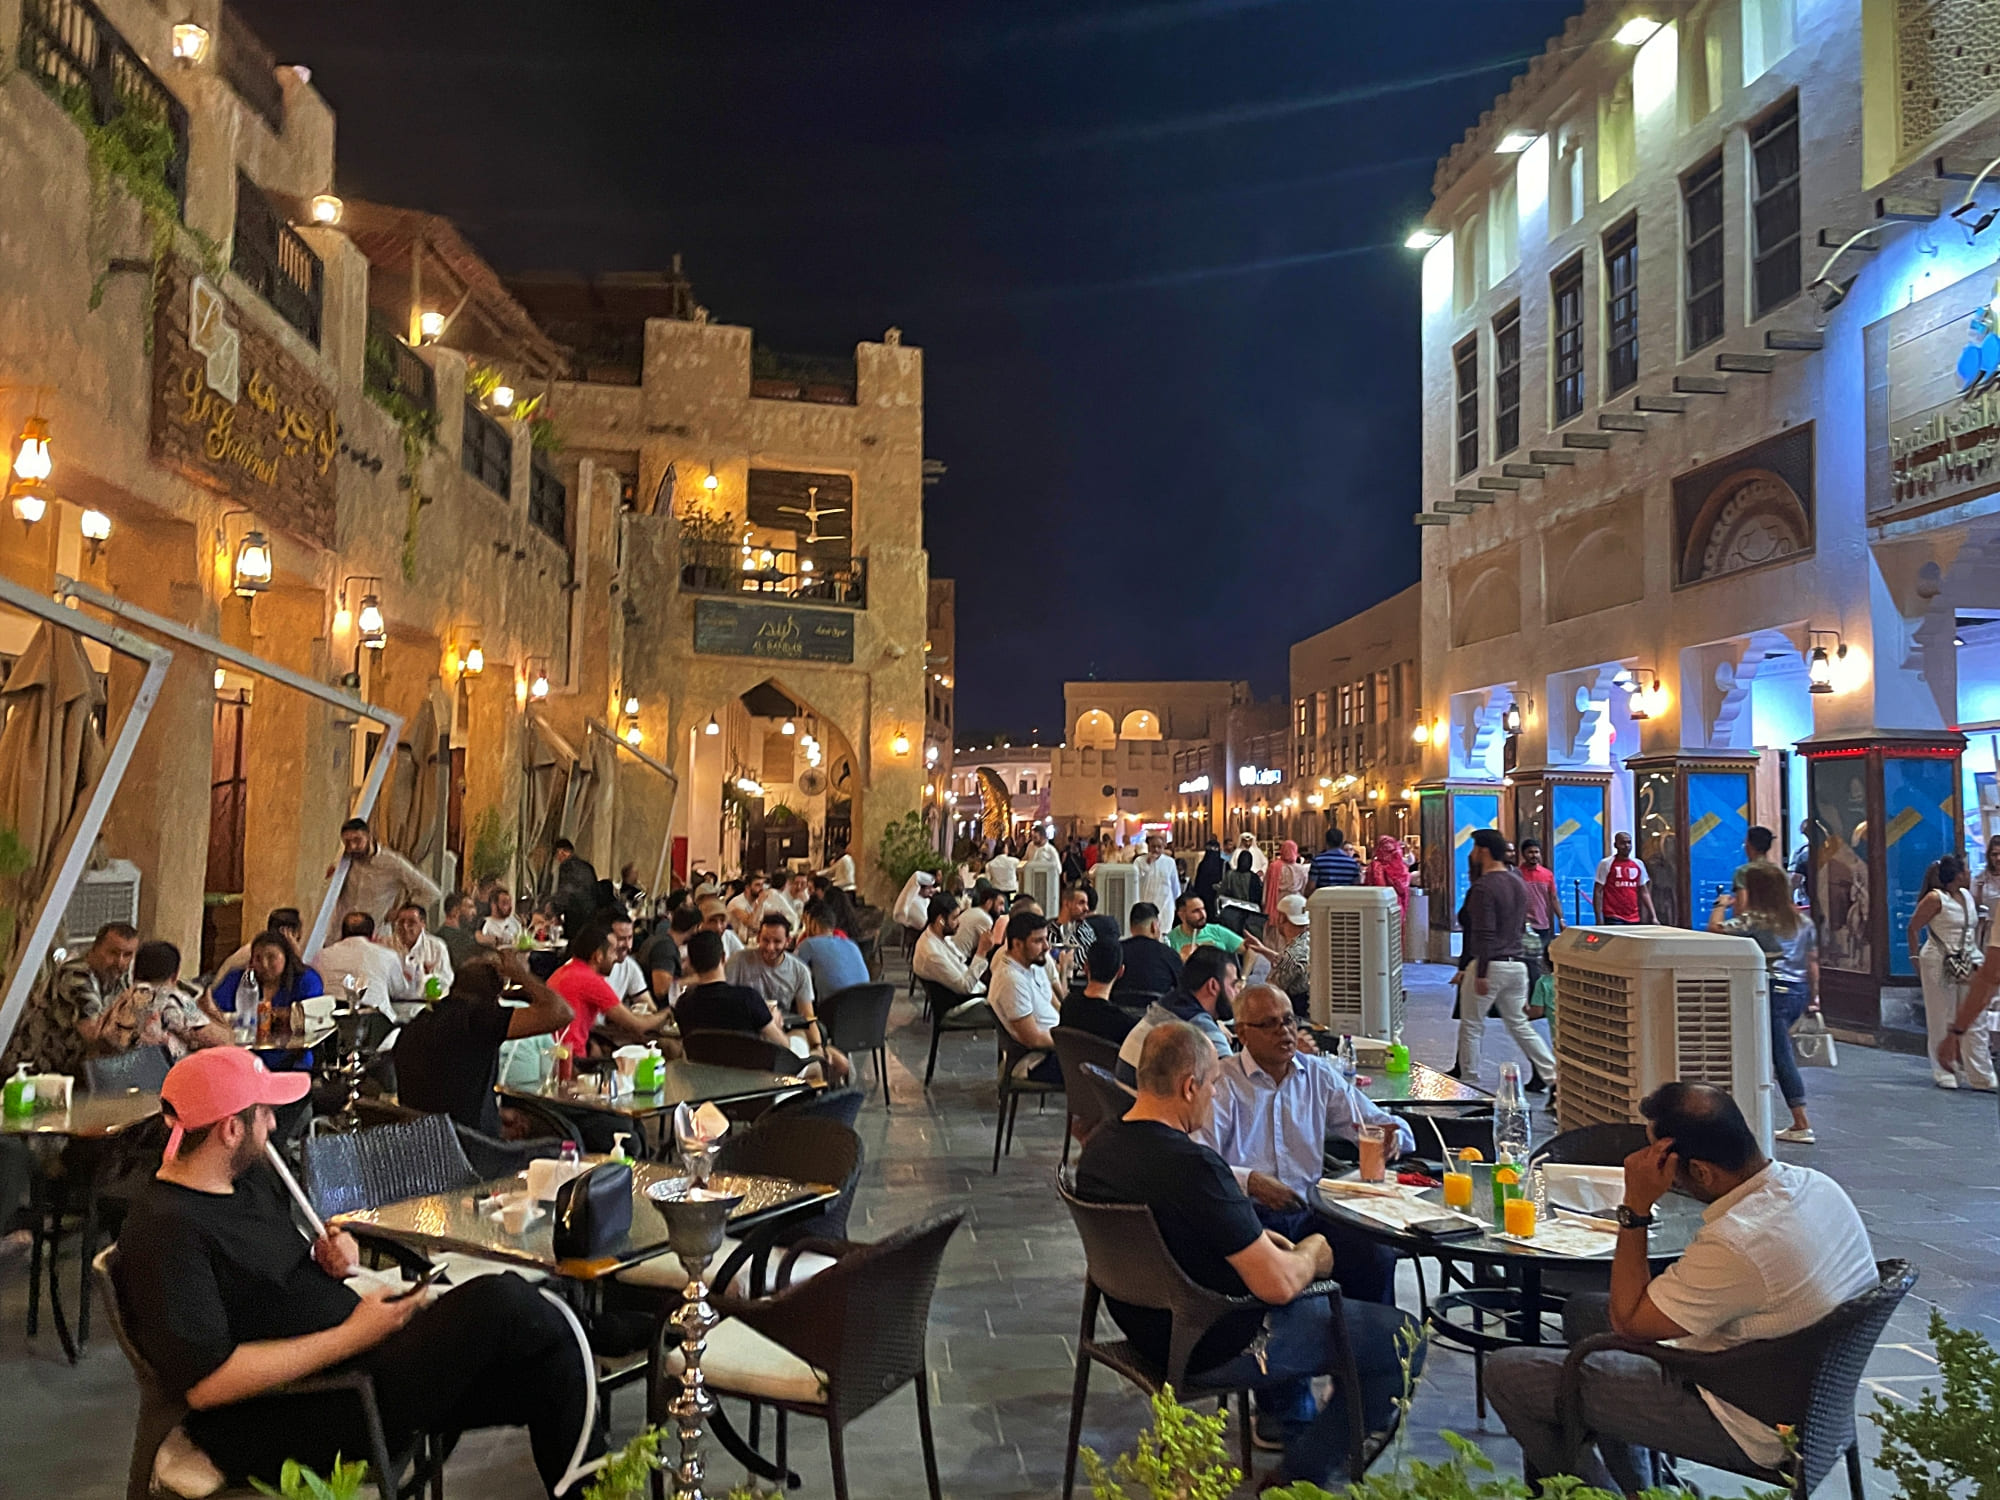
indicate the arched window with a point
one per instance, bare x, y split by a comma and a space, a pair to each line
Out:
1140, 724
1094, 730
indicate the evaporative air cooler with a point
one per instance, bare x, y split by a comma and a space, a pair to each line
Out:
1044, 883
1117, 888
1637, 1007
1357, 960
109, 892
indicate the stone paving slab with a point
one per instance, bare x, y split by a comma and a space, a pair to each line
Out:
1918, 1161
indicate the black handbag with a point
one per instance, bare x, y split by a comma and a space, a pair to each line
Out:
593, 1211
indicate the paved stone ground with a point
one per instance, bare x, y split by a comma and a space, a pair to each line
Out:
1918, 1162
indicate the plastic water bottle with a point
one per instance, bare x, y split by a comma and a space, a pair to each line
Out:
571, 1156
1346, 1056
1510, 1117
248, 993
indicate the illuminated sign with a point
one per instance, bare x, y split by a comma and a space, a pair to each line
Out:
1194, 784
1253, 776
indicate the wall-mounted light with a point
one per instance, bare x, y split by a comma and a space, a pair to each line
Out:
501, 399
538, 679
250, 571
1820, 662
930, 755
633, 737
190, 42
1514, 142
430, 325
711, 727
899, 744
1510, 719
1644, 699
96, 528
1636, 32
32, 466
1421, 734
788, 727
369, 625
711, 482
220, 678
325, 209
1421, 238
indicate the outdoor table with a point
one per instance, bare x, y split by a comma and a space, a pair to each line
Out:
89, 1117
1421, 1085
682, 1082
1499, 1300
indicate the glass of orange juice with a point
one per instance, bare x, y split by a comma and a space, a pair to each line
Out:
1521, 1218
1458, 1180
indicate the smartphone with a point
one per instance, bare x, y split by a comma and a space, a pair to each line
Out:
1445, 1229
418, 1285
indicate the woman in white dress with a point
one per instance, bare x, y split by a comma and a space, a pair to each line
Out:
1944, 942
1986, 890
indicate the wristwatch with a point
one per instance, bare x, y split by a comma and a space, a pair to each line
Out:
1629, 1218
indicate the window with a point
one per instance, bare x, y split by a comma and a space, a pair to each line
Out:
1566, 176
1468, 244
1768, 31
1566, 314
1465, 367
1617, 149
1701, 210
1507, 381
1346, 707
1621, 307
486, 452
548, 503
1503, 228
1774, 207
1701, 63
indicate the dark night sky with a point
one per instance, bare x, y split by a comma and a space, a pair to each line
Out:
1150, 251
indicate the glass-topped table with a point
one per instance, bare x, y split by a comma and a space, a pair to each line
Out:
681, 1082
89, 1117
1421, 1085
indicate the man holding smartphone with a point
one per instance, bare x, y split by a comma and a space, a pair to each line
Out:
227, 1300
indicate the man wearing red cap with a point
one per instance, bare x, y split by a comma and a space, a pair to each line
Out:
226, 1300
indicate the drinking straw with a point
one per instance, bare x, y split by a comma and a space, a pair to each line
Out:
297, 1192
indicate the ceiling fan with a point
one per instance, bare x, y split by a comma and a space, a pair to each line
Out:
812, 510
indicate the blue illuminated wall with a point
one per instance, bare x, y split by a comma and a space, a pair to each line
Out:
1576, 843
1919, 801
1470, 812
1718, 818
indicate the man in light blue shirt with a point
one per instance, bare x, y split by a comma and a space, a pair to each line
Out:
835, 962
1275, 1107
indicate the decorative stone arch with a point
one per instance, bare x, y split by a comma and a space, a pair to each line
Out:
1486, 601
1140, 724
1752, 518
1094, 730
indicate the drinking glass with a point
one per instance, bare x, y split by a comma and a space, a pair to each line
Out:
1458, 1190
1520, 1216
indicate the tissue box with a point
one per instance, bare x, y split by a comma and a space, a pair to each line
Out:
1370, 1053
1596, 1190
52, 1090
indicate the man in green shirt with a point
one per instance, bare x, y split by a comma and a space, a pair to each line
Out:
1192, 929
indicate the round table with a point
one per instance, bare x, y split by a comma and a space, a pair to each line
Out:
1492, 1292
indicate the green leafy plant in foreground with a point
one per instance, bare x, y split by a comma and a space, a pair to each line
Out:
1945, 1445
628, 1473
1182, 1456
297, 1482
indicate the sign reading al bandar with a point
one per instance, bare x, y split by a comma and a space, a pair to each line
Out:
236, 412
778, 632
1933, 372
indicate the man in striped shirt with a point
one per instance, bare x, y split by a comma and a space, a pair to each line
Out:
1335, 864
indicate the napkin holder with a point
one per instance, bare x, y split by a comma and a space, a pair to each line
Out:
1590, 1190
593, 1211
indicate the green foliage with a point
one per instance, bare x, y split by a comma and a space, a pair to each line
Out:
780, 812
492, 846
15, 861
628, 1473
418, 427
1469, 1475
1184, 1455
907, 847
297, 1482
1943, 1445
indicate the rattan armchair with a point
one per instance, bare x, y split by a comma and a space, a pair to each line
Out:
951, 1011
1076, 1049
856, 1020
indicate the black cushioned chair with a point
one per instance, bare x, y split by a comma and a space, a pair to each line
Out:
972, 1017
856, 1020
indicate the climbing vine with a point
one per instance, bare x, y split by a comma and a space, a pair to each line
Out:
418, 427
543, 434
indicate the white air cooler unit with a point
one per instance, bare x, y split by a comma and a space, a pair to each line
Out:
1637, 1007
1117, 889
108, 893
1357, 960
1044, 883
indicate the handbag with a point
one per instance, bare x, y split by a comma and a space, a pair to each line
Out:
1963, 964
1812, 1042
593, 1211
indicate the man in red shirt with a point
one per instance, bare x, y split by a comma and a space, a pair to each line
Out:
583, 982
1621, 894
1544, 901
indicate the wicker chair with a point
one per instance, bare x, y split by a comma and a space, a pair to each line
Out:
856, 1020
160, 1414
1009, 1090
1074, 1050
941, 1002
805, 1150
1806, 1381
1128, 1261
831, 1347
739, 1049
842, 1105
362, 1169
1591, 1146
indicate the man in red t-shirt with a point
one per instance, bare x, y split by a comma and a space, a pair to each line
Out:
583, 983
1621, 894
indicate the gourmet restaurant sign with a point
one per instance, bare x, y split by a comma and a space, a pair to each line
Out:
1934, 400
778, 632
236, 412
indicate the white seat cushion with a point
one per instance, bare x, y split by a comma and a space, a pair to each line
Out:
665, 1272
180, 1468
463, 1268
743, 1362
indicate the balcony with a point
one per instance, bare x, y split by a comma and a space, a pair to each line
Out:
250, 68
826, 379
392, 373
272, 257
487, 451
77, 56
773, 573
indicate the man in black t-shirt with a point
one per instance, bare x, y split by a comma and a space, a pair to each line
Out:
227, 1300
709, 1004
1151, 967
449, 1054
1090, 1009
1211, 1229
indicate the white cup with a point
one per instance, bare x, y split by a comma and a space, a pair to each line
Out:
514, 1216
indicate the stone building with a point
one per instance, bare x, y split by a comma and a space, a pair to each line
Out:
940, 717
1709, 460
1356, 703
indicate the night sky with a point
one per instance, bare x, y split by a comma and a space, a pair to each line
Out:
1151, 252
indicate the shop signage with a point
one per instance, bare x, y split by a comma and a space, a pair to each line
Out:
1934, 400
236, 412
1194, 784
1254, 776
725, 627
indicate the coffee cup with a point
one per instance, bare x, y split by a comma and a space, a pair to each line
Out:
515, 1214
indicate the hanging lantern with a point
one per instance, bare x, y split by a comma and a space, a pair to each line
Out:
251, 573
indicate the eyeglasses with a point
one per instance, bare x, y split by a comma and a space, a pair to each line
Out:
1276, 1023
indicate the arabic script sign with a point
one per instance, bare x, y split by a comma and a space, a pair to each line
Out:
723, 627
236, 412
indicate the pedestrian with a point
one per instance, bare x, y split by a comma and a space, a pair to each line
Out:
1621, 892
1389, 868
1207, 876
1986, 889
378, 880
1287, 875
1764, 912
1945, 925
1246, 843
1335, 864
1159, 878
1545, 916
1241, 893
1496, 965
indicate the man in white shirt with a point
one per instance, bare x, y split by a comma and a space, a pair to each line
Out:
1040, 850
1159, 876
746, 909
502, 929
1018, 989
789, 901
912, 904
937, 958
1003, 872
422, 954
976, 921
715, 917
841, 872
376, 971
1780, 1247
627, 980
1246, 842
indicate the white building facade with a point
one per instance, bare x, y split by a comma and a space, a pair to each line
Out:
1712, 466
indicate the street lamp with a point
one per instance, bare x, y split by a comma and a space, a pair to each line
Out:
32, 466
